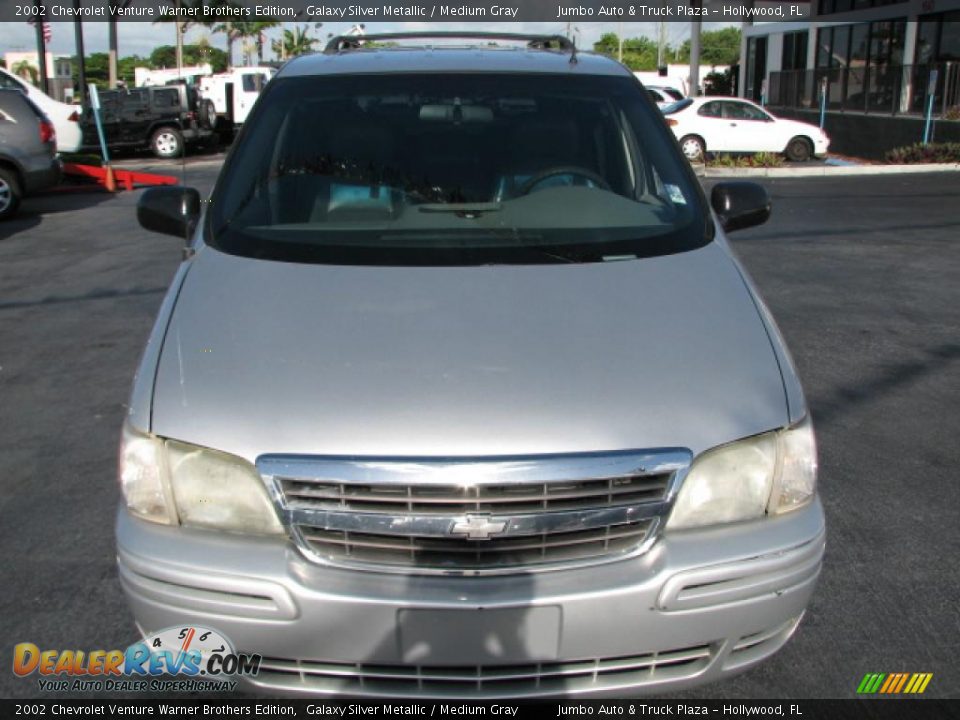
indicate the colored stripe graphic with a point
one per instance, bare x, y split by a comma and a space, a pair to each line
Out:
891, 681
894, 683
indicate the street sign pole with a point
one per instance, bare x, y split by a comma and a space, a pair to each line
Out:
823, 101
109, 180
931, 92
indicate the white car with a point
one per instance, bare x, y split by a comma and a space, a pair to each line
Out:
662, 95
65, 118
735, 125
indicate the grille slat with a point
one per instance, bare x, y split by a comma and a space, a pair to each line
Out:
387, 542
472, 680
455, 552
451, 499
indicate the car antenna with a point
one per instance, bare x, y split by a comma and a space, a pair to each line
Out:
573, 52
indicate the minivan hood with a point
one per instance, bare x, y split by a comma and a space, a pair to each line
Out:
268, 357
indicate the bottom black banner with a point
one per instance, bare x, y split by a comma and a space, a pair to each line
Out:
874, 709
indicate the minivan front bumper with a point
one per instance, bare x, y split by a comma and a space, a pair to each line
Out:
700, 605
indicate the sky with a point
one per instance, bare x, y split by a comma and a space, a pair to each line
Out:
140, 38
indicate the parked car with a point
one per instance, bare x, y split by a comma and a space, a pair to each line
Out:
28, 150
166, 119
65, 118
663, 95
460, 391
735, 125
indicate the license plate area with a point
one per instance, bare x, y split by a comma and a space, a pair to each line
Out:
479, 636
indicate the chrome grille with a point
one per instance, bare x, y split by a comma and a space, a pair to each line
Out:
531, 680
474, 515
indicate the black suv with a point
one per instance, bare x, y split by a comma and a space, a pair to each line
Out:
165, 118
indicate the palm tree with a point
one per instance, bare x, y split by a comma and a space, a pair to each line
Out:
294, 42
256, 31
112, 26
169, 15
25, 70
231, 33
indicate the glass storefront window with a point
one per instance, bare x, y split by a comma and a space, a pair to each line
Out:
841, 46
824, 40
950, 37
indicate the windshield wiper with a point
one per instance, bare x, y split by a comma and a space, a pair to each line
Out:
556, 254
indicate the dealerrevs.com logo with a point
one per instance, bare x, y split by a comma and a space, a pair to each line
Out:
186, 659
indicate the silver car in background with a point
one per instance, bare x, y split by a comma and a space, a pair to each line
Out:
28, 151
461, 392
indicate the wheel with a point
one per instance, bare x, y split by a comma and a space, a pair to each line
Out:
167, 142
798, 150
208, 115
10, 193
693, 147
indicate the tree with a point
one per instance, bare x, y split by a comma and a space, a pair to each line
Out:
254, 31
294, 42
25, 70
170, 15
96, 68
717, 47
638, 53
231, 33
165, 56
112, 27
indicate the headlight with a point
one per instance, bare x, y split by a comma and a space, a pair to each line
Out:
770, 474
169, 482
141, 478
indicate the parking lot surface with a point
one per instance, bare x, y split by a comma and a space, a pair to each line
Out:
861, 273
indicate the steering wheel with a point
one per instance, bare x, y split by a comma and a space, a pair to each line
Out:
590, 175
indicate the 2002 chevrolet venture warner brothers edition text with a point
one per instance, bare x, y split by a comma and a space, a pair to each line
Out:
461, 392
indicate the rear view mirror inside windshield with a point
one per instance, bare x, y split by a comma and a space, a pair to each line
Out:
456, 114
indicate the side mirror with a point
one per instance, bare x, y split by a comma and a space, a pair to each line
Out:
169, 209
740, 204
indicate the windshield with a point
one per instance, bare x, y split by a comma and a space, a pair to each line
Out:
677, 106
431, 169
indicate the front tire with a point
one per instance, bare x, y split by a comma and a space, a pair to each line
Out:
10, 193
166, 143
799, 150
693, 148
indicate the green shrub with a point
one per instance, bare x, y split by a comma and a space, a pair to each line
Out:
763, 159
919, 153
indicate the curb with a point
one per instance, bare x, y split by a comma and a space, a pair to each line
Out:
172, 164
827, 170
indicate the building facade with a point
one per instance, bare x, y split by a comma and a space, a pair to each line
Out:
59, 72
887, 57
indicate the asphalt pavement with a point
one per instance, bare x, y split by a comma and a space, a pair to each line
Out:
861, 273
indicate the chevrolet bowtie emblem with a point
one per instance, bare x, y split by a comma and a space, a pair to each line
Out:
478, 527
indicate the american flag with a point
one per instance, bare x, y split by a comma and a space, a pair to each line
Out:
45, 26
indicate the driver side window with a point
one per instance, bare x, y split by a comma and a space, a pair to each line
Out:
742, 111
711, 109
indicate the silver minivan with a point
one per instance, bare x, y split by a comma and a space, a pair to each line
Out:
461, 392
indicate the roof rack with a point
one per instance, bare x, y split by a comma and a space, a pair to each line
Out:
536, 42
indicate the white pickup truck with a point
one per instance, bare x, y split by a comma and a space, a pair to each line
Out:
233, 93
